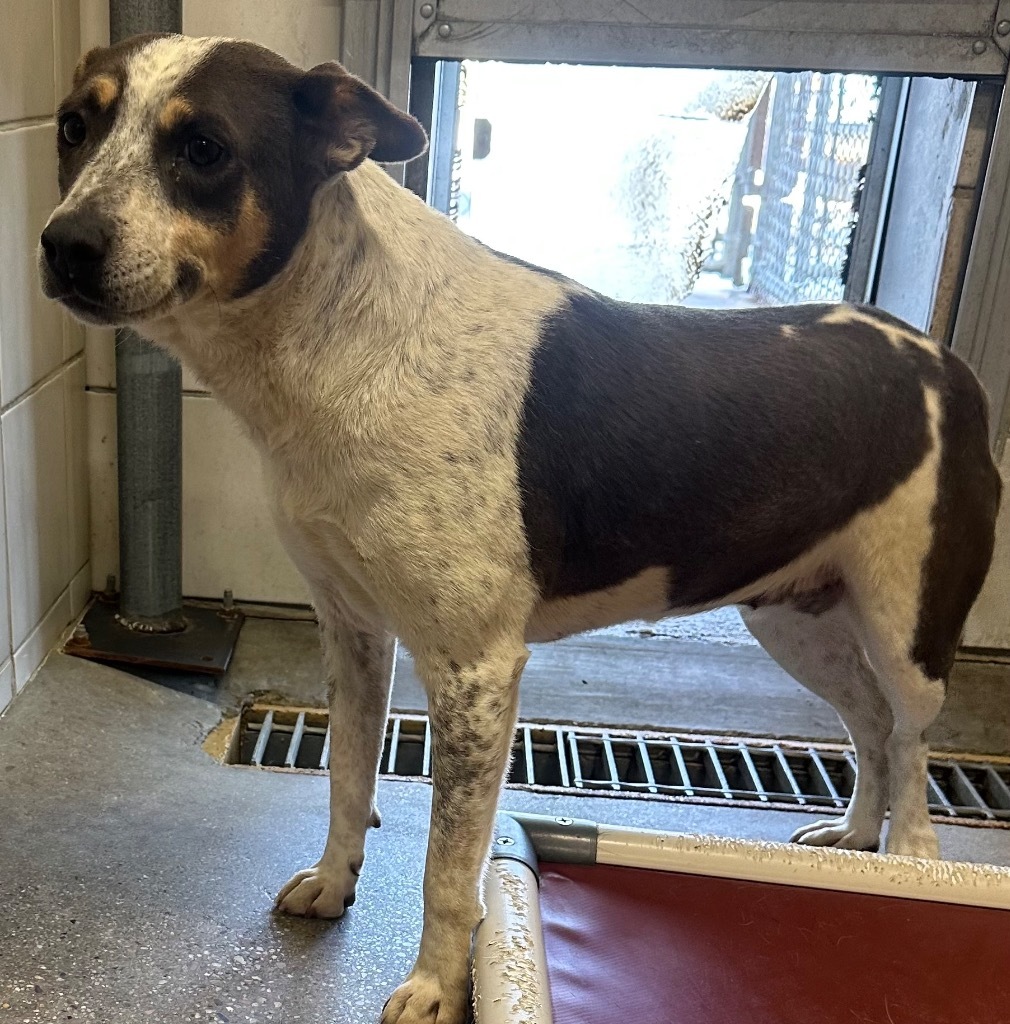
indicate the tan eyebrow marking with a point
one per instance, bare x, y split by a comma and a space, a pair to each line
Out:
105, 91
173, 113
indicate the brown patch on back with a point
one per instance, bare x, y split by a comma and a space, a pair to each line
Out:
173, 113
224, 256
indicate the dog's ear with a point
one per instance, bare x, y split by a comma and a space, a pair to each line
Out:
350, 120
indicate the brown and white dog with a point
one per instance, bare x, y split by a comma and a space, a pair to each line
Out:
472, 454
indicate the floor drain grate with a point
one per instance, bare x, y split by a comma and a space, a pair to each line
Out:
618, 762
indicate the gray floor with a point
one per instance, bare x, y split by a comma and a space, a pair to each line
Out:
697, 675
137, 874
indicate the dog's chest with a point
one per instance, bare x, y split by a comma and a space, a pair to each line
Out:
316, 522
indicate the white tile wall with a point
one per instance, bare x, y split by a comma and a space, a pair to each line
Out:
5, 607
228, 535
80, 590
67, 44
45, 572
27, 74
73, 338
103, 486
37, 499
78, 499
41, 640
6, 683
100, 356
31, 326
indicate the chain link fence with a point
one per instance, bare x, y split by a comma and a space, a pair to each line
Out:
817, 141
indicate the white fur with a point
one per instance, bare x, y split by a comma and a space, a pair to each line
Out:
896, 336
826, 654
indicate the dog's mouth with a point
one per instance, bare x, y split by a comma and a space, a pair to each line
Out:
107, 314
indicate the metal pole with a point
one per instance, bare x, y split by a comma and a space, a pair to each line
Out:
149, 427
130, 17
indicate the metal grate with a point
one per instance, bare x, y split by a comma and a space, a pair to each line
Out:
617, 762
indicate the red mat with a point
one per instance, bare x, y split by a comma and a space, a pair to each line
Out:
627, 946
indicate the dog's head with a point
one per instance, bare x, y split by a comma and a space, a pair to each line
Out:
187, 168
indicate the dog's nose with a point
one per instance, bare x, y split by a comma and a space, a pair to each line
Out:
75, 246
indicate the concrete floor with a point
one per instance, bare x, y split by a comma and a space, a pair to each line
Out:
692, 675
137, 874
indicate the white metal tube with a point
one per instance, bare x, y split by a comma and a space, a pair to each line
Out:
979, 885
510, 984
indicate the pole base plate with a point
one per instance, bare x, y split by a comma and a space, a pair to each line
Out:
205, 645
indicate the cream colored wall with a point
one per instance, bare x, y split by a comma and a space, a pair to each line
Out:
44, 571
306, 32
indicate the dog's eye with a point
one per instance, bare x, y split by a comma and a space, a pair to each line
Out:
202, 152
73, 129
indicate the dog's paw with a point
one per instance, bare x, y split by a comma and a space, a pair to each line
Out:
837, 832
319, 891
424, 999
914, 843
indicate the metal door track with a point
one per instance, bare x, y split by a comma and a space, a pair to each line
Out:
728, 771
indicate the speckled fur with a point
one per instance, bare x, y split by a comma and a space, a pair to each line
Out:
382, 374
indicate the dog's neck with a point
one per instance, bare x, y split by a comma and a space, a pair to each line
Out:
342, 314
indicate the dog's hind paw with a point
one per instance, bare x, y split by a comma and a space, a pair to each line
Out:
838, 833
423, 999
913, 843
319, 892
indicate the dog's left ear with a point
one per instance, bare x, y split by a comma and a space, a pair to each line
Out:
352, 121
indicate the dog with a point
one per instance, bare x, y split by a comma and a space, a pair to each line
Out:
472, 454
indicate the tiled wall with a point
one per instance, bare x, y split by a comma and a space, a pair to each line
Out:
44, 571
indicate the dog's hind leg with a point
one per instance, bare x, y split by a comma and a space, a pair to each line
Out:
472, 705
913, 567
825, 654
359, 668
915, 700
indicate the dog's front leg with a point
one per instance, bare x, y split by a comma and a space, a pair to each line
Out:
359, 666
473, 711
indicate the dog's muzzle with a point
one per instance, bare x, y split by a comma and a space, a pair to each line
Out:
75, 246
